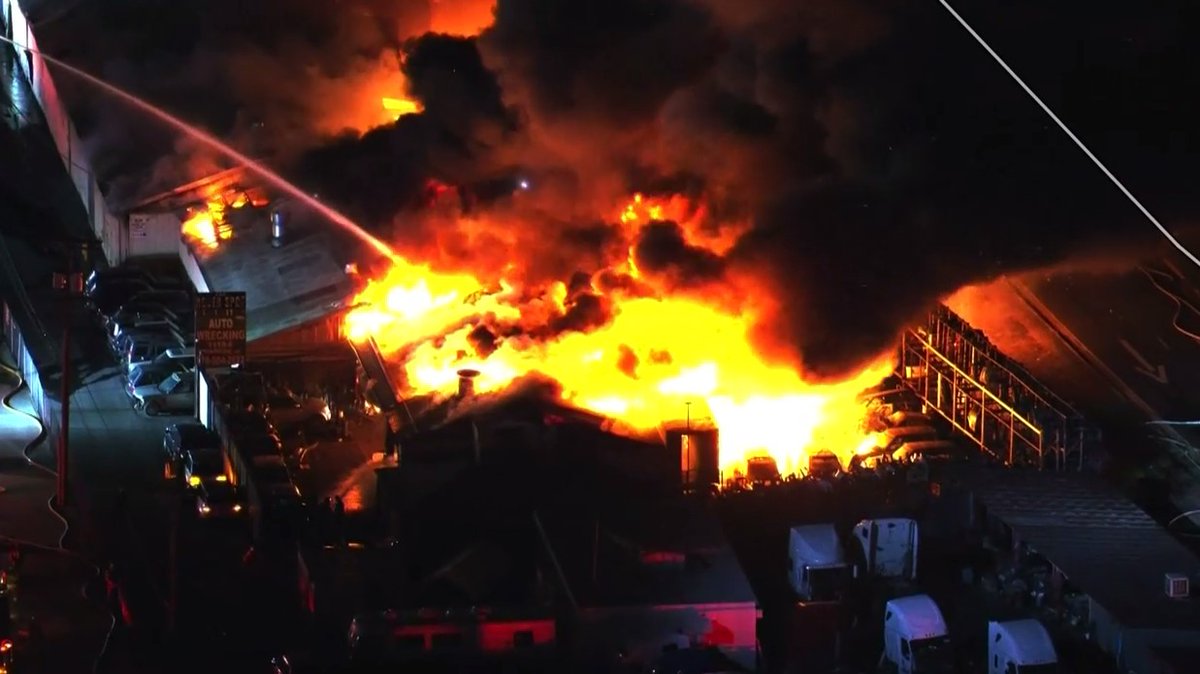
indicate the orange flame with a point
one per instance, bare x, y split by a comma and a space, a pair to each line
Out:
657, 360
399, 107
206, 225
463, 18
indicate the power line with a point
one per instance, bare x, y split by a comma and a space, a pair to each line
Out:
1070, 134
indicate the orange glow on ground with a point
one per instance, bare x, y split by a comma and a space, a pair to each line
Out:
644, 367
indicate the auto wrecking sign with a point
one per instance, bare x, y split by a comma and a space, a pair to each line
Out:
220, 329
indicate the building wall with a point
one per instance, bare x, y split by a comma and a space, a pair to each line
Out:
46, 409
66, 140
315, 335
642, 632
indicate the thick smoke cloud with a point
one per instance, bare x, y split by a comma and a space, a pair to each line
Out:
272, 76
868, 156
882, 159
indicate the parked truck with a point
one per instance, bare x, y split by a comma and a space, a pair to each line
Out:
1020, 647
817, 566
915, 637
889, 548
820, 569
839, 580
916, 641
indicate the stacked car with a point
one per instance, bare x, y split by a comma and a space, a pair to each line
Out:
148, 318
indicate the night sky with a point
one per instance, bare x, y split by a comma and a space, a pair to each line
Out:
882, 157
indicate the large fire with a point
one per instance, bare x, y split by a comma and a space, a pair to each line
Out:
659, 359
463, 18
206, 225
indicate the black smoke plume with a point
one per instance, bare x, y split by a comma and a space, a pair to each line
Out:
878, 154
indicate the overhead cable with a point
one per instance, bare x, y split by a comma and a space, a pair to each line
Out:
1071, 134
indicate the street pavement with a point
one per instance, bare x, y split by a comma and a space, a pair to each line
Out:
53, 582
120, 506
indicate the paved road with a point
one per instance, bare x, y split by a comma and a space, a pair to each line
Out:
113, 448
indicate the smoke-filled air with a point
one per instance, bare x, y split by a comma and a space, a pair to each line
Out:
728, 207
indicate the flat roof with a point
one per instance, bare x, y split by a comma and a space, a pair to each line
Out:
294, 284
1107, 546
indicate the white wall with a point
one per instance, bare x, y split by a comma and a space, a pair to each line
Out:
58, 121
151, 234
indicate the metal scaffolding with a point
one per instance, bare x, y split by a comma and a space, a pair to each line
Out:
987, 397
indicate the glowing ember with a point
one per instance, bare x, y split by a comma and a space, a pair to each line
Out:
657, 359
206, 225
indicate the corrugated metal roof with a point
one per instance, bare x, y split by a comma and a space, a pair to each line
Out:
1104, 543
288, 286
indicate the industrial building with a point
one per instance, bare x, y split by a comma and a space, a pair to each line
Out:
1114, 574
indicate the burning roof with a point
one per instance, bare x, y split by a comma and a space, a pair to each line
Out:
812, 177
624, 341
285, 286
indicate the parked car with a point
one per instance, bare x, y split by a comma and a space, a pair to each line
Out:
184, 439
144, 352
156, 313
127, 273
178, 359
290, 414
107, 299
150, 375
217, 499
176, 393
200, 466
178, 311
121, 347
146, 347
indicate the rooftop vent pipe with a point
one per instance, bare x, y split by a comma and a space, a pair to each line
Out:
466, 383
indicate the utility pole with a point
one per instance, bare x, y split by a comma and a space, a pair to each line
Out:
69, 285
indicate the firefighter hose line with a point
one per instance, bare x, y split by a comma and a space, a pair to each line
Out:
1071, 134
60, 548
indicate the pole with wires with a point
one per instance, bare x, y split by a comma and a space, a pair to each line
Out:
1071, 134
